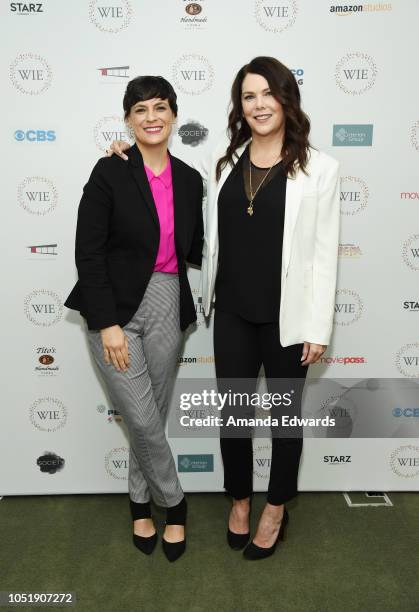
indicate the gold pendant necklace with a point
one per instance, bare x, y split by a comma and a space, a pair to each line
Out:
253, 195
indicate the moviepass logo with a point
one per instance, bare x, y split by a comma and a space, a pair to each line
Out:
342, 360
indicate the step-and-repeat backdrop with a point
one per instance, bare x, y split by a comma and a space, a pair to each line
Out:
65, 66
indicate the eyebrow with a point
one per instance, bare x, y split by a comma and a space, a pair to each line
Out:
250, 92
141, 104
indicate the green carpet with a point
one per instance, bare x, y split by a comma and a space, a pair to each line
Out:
333, 559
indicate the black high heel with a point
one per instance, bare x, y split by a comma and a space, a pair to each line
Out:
252, 552
176, 515
237, 541
142, 511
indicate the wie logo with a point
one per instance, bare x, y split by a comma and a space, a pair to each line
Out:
43, 308
193, 74
116, 463
111, 16
108, 129
30, 74
37, 195
355, 73
274, 16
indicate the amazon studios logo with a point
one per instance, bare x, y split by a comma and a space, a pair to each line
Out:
193, 133
48, 414
404, 461
43, 308
348, 307
354, 195
407, 360
110, 17
116, 463
274, 17
193, 74
37, 195
108, 129
50, 463
30, 74
353, 135
355, 73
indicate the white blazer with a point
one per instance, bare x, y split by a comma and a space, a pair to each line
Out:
309, 247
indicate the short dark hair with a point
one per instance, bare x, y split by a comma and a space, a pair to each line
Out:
146, 88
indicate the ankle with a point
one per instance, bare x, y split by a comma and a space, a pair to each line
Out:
176, 515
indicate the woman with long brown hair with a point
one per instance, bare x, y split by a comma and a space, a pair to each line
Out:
270, 256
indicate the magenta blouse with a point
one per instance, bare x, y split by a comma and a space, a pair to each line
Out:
162, 189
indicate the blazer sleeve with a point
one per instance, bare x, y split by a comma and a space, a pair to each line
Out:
325, 258
195, 252
92, 233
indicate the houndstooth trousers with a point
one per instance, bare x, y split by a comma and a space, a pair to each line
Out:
142, 394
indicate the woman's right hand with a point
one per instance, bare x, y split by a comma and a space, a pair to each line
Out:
115, 347
118, 147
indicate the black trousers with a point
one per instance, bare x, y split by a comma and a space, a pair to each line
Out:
240, 349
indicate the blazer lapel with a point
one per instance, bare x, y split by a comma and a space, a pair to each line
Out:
179, 200
140, 177
292, 206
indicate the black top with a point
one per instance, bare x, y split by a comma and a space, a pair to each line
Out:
118, 235
250, 247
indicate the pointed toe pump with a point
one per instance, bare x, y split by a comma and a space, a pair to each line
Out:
176, 515
252, 552
145, 544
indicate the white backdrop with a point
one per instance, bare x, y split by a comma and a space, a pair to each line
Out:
65, 66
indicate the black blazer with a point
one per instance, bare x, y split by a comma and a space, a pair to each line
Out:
118, 236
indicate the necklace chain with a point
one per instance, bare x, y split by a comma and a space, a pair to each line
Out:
253, 195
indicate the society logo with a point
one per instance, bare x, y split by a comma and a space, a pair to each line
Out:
112, 17
193, 133
30, 74
355, 73
50, 463
37, 195
275, 17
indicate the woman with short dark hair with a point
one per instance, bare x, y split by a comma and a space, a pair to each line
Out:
138, 224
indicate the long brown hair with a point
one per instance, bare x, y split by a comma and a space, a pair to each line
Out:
297, 125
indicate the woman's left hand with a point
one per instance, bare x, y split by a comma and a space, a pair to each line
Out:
312, 353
